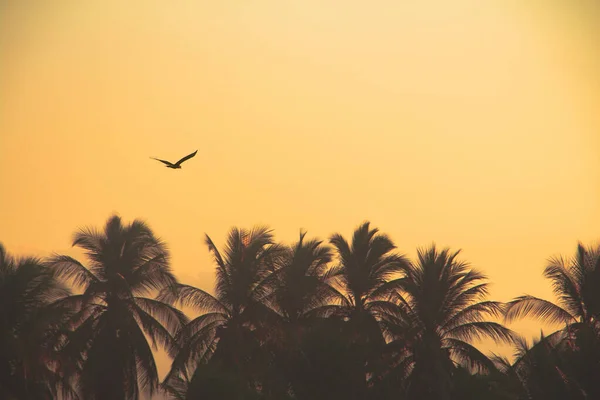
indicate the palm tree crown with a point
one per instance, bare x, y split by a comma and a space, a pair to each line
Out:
127, 263
226, 320
576, 283
299, 285
364, 271
442, 301
31, 322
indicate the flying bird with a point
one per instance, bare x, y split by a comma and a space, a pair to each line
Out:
177, 165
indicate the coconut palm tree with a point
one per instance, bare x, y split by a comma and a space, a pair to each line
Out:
298, 290
366, 270
443, 309
299, 284
576, 283
225, 334
31, 328
541, 371
117, 315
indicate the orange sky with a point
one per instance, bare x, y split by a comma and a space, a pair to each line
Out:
470, 123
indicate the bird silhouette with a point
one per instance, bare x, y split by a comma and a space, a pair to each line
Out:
177, 165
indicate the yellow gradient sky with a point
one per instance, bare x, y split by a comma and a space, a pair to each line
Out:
471, 123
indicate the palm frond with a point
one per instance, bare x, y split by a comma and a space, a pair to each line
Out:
464, 297
565, 287
175, 387
69, 268
170, 317
475, 312
389, 266
151, 326
190, 296
150, 277
145, 371
342, 247
469, 356
480, 330
501, 363
327, 311
465, 287
199, 323
195, 343
537, 308
88, 239
387, 288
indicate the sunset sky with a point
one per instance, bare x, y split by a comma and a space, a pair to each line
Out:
473, 124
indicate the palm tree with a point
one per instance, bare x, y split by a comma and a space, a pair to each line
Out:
225, 334
300, 283
31, 322
115, 316
576, 283
541, 371
443, 304
365, 271
298, 290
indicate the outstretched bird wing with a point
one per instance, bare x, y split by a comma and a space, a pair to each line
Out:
162, 161
186, 158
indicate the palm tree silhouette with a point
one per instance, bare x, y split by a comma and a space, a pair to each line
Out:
298, 292
300, 285
31, 327
541, 371
365, 270
442, 302
351, 319
576, 283
224, 333
115, 317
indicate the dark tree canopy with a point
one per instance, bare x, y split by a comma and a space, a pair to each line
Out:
347, 319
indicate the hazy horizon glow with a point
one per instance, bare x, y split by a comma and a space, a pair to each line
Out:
471, 124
